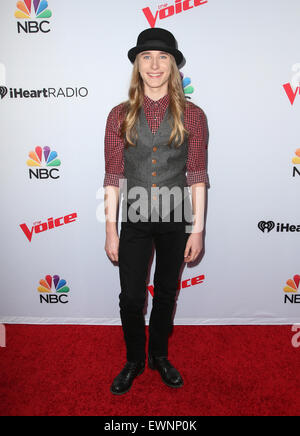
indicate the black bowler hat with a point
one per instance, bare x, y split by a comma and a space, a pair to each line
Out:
156, 39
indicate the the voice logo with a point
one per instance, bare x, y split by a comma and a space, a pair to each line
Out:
166, 11
182, 285
293, 88
39, 227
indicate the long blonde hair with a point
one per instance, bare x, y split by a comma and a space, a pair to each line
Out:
177, 106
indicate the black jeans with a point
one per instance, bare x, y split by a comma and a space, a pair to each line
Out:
135, 249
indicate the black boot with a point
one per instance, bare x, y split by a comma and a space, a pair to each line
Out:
122, 383
170, 376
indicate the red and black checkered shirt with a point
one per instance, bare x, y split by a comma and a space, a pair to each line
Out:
194, 121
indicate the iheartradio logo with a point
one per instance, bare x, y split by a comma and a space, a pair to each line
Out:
3, 92
166, 11
268, 226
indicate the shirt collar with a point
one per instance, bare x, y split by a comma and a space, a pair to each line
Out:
162, 103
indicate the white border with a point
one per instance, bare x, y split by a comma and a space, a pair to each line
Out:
179, 321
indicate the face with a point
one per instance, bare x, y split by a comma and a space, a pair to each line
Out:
155, 68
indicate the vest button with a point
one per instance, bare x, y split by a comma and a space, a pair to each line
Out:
154, 148
154, 173
154, 161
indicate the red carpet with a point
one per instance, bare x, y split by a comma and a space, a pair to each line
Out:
228, 370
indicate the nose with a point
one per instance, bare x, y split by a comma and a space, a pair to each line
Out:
155, 62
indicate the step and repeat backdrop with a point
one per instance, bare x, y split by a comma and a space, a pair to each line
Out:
63, 67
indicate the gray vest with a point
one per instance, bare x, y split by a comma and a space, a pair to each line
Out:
152, 168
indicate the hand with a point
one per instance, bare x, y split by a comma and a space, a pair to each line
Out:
193, 247
112, 246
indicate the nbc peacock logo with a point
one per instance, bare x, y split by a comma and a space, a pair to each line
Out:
186, 85
30, 11
53, 290
45, 163
291, 290
296, 158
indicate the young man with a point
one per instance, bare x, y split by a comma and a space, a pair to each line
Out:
152, 141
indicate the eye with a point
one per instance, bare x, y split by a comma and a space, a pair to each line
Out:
147, 56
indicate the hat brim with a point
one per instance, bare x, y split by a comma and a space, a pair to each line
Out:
136, 50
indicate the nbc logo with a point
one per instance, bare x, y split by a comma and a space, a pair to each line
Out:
51, 162
186, 85
53, 290
296, 161
291, 290
37, 9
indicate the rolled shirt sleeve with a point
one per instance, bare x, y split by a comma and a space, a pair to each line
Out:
197, 150
113, 149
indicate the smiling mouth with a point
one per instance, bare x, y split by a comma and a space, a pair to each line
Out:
155, 76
